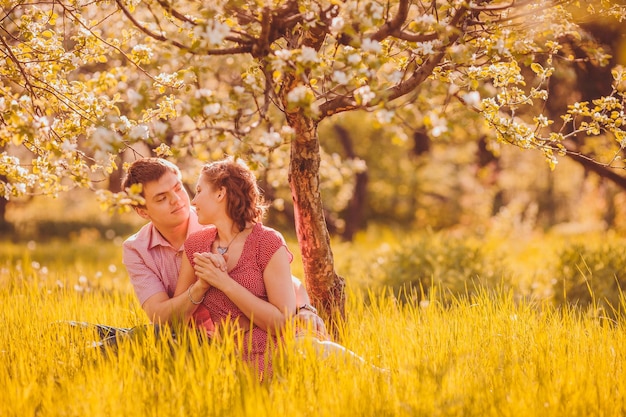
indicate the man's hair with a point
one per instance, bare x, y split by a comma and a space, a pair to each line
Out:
145, 170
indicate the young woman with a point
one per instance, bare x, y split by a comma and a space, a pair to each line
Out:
243, 265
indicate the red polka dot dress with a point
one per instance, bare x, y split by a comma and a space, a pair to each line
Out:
259, 247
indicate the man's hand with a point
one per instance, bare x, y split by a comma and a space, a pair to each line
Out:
308, 319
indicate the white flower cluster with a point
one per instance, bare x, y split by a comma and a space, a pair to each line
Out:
271, 139
472, 99
369, 45
213, 33
438, 125
142, 53
308, 55
364, 95
139, 132
298, 94
337, 25
18, 178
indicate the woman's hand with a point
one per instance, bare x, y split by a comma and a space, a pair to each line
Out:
211, 268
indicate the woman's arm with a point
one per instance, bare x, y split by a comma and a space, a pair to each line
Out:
270, 315
163, 309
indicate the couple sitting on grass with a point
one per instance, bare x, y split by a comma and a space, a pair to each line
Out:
217, 265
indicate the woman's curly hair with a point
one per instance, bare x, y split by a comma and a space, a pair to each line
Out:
245, 202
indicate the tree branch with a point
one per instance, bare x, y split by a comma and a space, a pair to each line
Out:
147, 31
168, 7
27, 85
393, 26
347, 102
592, 165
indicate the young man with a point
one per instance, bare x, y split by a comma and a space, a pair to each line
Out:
153, 255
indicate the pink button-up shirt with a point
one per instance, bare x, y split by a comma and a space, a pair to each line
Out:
153, 264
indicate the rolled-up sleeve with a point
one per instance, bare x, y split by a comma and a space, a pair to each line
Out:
143, 276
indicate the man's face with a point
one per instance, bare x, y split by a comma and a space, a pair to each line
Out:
167, 202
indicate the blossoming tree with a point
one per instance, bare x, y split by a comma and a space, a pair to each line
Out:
83, 81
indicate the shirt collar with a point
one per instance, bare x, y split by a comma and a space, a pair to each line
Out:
157, 239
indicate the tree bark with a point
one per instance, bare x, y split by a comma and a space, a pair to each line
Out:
5, 226
324, 286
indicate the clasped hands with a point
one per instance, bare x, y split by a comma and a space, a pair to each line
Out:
211, 268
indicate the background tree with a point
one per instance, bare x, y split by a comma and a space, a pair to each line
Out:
82, 82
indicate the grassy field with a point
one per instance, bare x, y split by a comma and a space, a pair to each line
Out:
492, 354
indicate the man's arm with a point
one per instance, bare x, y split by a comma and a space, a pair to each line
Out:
302, 297
152, 293
308, 317
163, 309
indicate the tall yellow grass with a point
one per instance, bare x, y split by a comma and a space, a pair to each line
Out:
491, 355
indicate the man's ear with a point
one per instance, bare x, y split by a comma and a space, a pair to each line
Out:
142, 212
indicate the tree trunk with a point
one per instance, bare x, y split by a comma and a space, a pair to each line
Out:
5, 227
324, 286
354, 214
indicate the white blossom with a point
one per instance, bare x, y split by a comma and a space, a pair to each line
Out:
376, 10
501, 47
249, 79
102, 138
308, 54
425, 48
395, 77
472, 98
370, 45
283, 54
25, 100
364, 95
384, 116
426, 19
203, 93
439, 125
214, 33
354, 59
41, 123
139, 132
340, 77
67, 146
123, 124
286, 130
542, 120
337, 25
270, 139
133, 97
211, 109
143, 51
297, 95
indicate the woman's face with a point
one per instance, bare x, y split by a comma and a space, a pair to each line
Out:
206, 201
